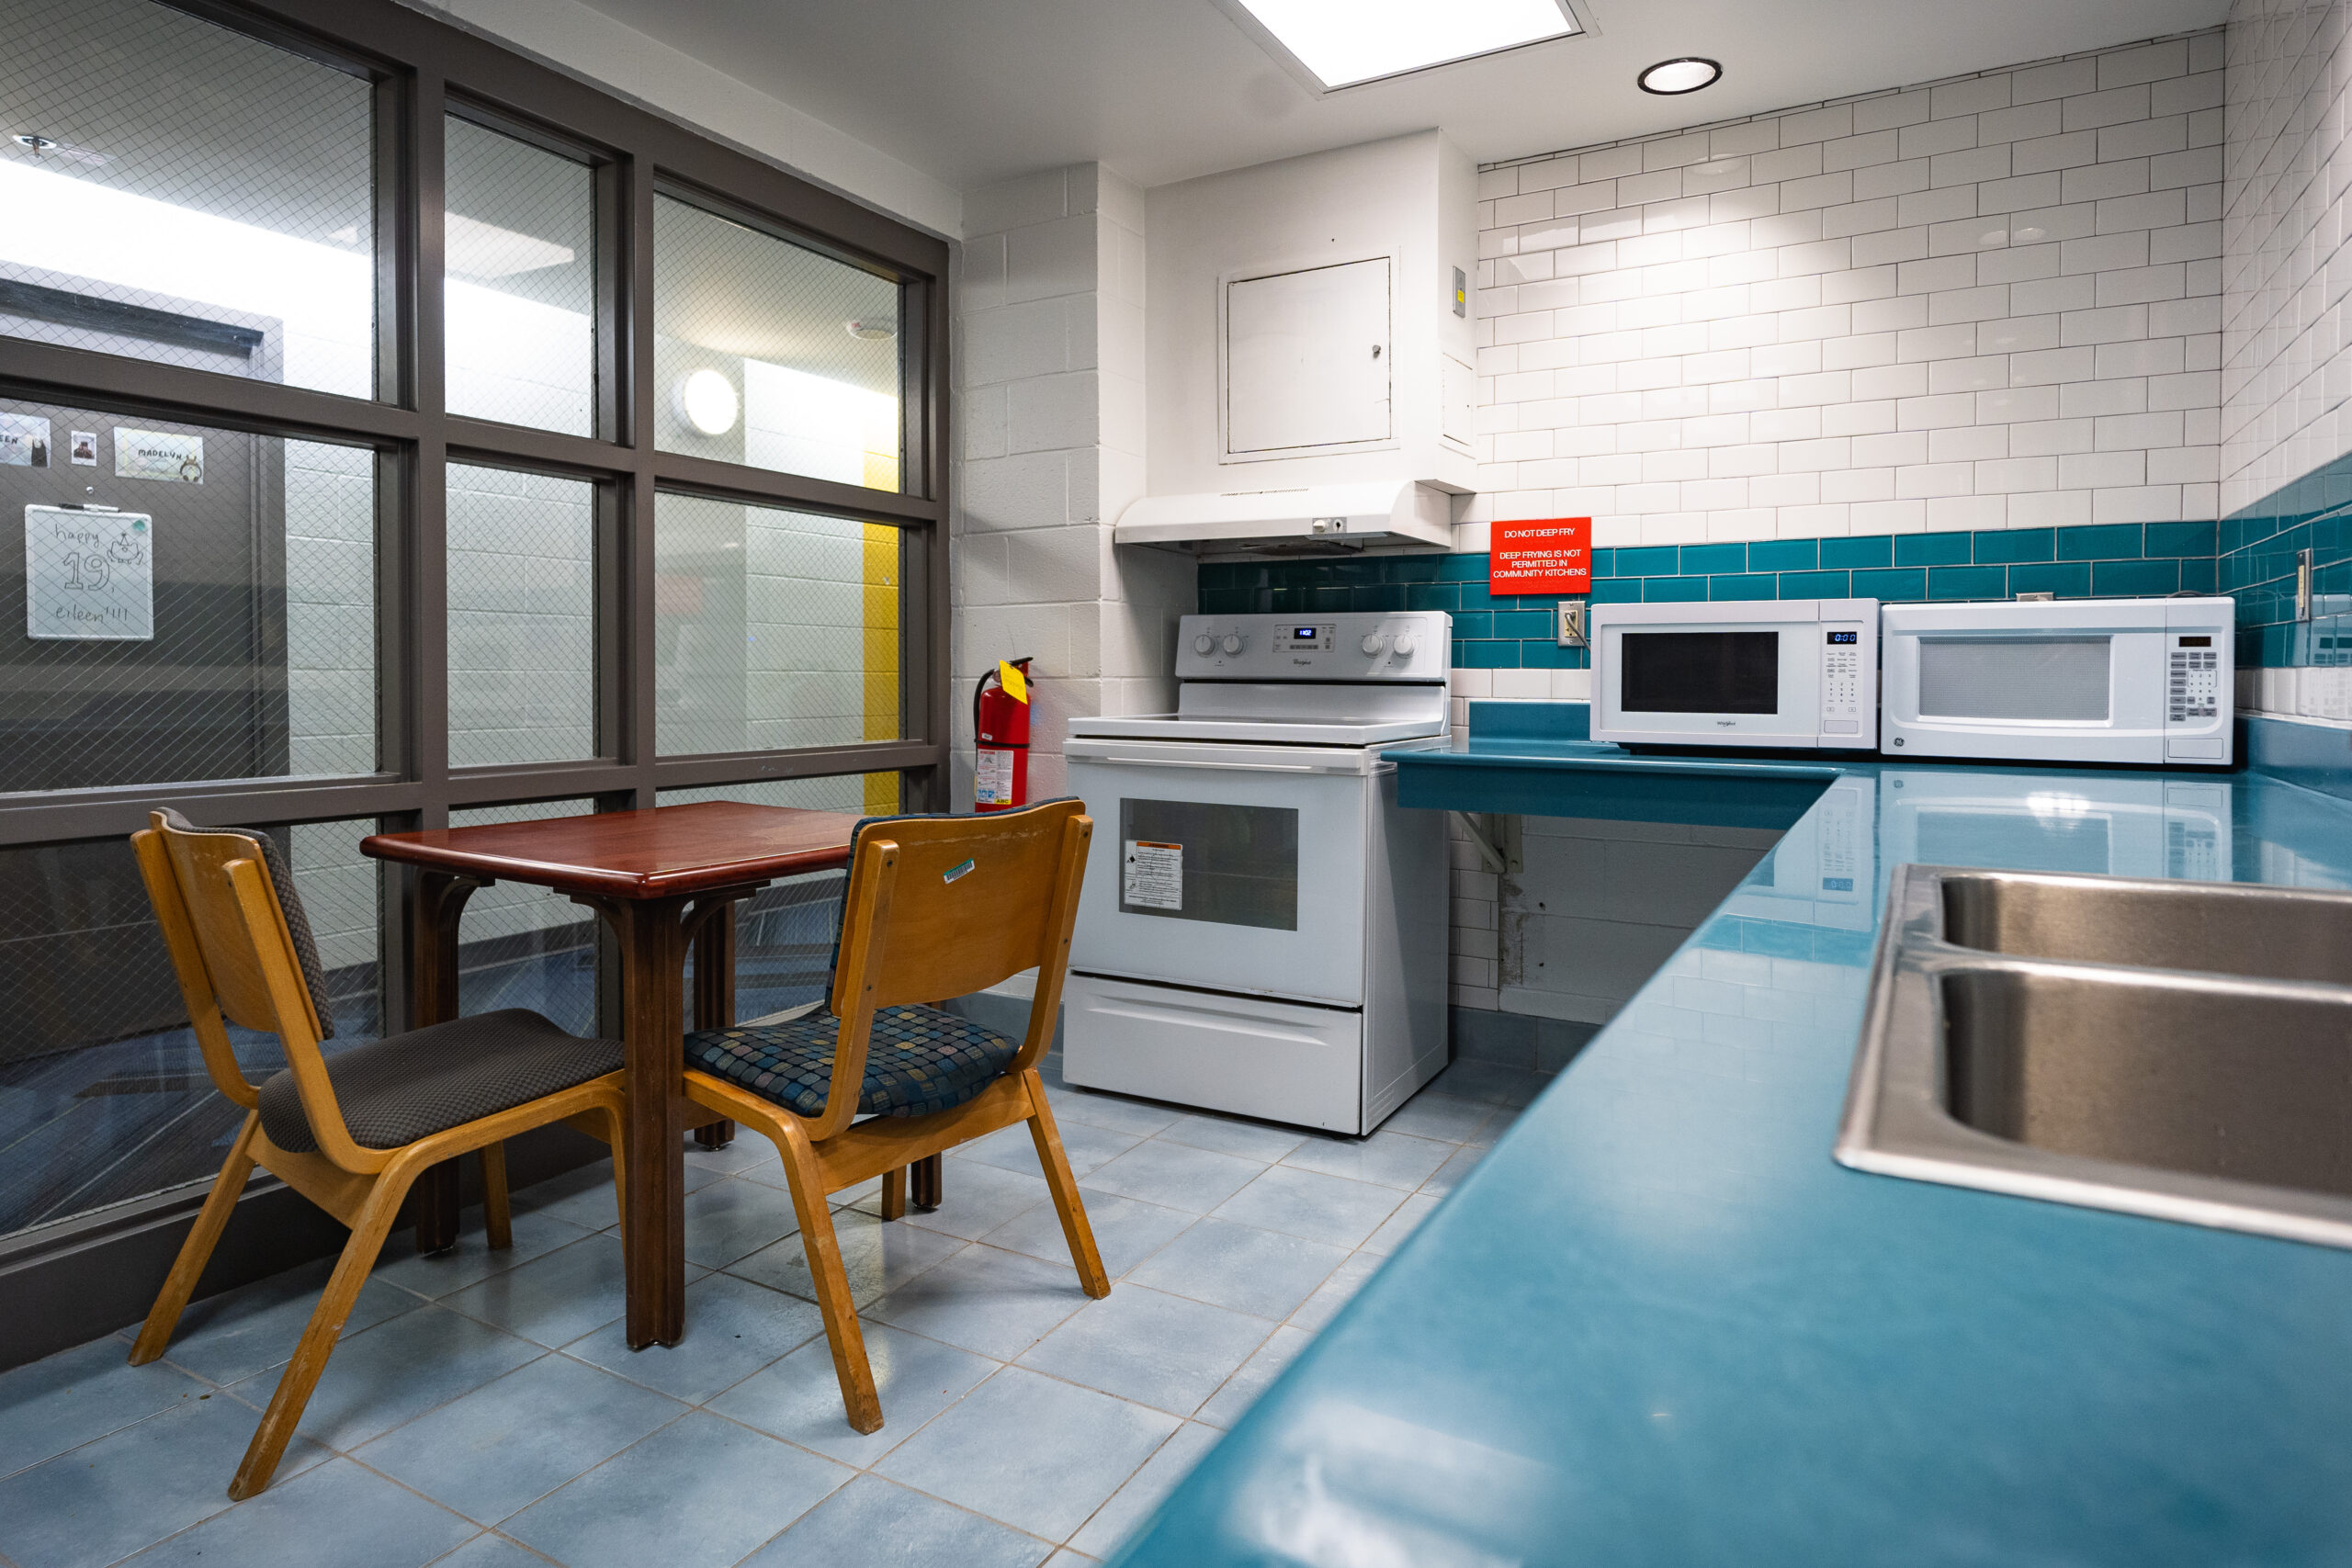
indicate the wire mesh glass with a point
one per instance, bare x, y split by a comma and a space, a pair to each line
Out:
784, 935
103, 1092
769, 354
522, 618
519, 301
521, 946
189, 603
773, 629
180, 192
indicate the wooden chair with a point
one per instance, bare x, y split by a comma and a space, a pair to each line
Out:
349, 1133
937, 907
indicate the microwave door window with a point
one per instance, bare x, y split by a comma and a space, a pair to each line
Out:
1190, 860
1699, 672
2022, 679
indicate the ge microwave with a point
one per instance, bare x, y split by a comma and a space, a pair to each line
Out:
1797, 673
2060, 681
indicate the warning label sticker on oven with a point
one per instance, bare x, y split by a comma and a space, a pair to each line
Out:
1154, 876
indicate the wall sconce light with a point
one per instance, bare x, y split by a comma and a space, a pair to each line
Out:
706, 399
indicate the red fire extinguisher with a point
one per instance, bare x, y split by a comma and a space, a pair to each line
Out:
1001, 719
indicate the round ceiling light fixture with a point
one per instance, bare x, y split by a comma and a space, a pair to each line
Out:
1687, 75
706, 399
872, 332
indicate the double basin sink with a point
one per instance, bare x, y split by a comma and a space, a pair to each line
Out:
2182, 1049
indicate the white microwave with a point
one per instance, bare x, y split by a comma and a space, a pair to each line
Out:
1798, 673
2060, 681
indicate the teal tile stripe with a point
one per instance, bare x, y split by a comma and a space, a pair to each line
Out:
2261, 546
2105, 561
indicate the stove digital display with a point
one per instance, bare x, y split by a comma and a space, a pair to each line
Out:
1302, 634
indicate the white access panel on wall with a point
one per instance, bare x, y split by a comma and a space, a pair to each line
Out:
1306, 360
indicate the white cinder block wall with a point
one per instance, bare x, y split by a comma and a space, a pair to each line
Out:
1049, 300
2287, 350
1990, 302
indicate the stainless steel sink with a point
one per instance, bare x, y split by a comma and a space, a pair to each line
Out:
2075, 1039
2278, 933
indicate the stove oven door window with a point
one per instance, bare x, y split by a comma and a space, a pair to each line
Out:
1240, 880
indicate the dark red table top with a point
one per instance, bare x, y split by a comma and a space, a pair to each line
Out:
666, 852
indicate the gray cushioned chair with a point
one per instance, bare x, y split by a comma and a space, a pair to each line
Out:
351, 1133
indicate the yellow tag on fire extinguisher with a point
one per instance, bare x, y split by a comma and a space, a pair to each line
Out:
1015, 684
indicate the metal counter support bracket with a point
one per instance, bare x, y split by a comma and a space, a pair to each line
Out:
1488, 852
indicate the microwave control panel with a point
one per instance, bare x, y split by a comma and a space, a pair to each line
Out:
2193, 685
1848, 680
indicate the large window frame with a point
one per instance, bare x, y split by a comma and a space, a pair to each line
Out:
421, 70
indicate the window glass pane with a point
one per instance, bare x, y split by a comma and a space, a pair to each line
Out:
217, 622
520, 295
527, 947
103, 1093
769, 354
784, 935
522, 618
773, 628
192, 196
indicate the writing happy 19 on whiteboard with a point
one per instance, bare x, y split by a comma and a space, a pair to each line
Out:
89, 576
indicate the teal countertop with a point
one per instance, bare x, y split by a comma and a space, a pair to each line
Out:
1659, 1325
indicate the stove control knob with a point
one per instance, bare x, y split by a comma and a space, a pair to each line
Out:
1374, 641
1233, 642
1202, 643
1405, 645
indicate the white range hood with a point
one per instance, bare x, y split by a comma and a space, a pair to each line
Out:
1310, 519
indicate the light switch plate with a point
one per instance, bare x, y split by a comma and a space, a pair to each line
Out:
1572, 622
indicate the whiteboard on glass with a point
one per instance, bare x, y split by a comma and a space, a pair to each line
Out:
89, 575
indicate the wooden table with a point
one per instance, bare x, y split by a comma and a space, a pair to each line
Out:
666, 881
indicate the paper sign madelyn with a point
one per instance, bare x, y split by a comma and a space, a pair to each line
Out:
1540, 555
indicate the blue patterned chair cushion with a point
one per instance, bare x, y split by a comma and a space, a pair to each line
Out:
920, 1060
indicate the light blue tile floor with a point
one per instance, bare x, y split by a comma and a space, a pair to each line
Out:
482, 1412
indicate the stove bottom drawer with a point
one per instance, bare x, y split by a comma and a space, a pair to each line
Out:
1248, 1055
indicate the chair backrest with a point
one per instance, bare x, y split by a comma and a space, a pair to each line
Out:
940, 907
240, 945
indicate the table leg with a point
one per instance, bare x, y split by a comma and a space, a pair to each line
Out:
715, 1000
652, 943
440, 901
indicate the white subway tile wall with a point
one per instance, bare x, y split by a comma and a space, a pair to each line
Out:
2286, 363
1990, 302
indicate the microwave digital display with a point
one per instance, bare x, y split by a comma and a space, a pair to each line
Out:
1699, 672
1845, 639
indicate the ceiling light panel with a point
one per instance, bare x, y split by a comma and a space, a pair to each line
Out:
1342, 43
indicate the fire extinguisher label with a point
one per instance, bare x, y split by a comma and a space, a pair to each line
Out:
1154, 876
994, 784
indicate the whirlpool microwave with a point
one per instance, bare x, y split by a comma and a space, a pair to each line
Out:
1794, 673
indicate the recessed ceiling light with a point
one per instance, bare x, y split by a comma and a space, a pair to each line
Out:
706, 399
1687, 75
1343, 43
873, 331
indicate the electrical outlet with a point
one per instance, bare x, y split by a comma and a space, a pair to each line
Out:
1572, 622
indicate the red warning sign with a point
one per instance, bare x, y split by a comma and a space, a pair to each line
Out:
1540, 555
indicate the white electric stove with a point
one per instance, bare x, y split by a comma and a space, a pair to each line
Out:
1264, 930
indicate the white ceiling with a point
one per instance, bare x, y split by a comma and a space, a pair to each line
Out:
975, 91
